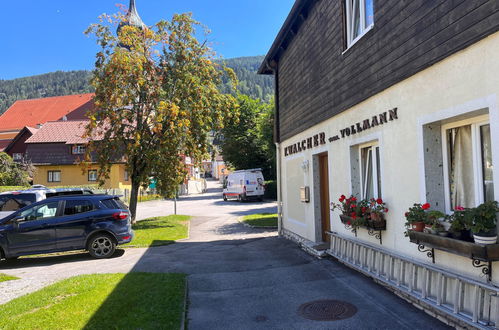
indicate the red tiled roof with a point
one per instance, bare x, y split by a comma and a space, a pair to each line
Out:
39, 111
69, 132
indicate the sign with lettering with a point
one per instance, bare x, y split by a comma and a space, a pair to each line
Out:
320, 139
308, 143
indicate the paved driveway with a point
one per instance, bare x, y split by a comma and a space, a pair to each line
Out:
239, 278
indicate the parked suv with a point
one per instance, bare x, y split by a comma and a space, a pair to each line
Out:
96, 223
14, 200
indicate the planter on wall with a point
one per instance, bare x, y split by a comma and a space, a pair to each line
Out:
486, 238
418, 226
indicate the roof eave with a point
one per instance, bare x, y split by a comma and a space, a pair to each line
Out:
295, 19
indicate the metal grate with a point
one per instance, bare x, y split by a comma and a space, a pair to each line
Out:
327, 310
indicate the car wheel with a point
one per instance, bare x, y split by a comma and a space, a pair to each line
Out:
225, 197
101, 246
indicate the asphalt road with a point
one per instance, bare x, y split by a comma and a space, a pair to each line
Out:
239, 278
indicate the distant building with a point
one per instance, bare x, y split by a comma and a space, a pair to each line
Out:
17, 147
56, 151
36, 112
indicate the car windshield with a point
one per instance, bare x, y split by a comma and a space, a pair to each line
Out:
14, 202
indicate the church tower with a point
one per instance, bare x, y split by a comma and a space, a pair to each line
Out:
132, 18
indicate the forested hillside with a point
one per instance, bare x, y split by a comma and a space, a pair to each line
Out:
45, 85
251, 83
77, 82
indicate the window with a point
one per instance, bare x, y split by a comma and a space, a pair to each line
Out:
92, 175
41, 211
17, 156
370, 176
54, 176
14, 202
75, 207
126, 176
114, 203
468, 157
359, 19
78, 150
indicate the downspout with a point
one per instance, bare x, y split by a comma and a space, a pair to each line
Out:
277, 140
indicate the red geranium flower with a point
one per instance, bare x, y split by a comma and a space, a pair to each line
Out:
342, 198
379, 201
349, 222
426, 206
364, 209
353, 206
459, 208
354, 199
354, 215
386, 210
406, 214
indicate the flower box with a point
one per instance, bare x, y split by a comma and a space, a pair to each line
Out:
378, 224
466, 249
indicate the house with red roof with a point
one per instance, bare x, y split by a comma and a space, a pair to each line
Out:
56, 151
36, 112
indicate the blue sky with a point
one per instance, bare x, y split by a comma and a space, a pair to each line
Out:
39, 36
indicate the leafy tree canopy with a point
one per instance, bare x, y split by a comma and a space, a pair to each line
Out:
12, 174
157, 98
248, 142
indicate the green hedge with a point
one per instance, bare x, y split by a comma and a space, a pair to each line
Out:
12, 188
271, 190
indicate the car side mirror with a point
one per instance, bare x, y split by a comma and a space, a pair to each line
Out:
16, 220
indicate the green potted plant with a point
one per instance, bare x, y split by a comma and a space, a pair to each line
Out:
460, 222
353, 212
376, 213
433, 223
417, 217
484, 223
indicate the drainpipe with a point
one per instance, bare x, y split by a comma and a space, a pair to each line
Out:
277, 139
279, 189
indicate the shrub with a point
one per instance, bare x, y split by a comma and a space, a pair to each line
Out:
271, 189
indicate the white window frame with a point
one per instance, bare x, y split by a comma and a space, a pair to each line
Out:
17, 156
476, 123
363, 177
349, 21
96, 175
78, 149
50, 176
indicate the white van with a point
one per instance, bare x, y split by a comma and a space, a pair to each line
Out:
244, 185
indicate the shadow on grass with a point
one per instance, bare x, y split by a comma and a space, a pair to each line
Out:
53, 259
149, 224
140, 302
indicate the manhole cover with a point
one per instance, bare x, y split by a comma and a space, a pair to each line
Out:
327, 310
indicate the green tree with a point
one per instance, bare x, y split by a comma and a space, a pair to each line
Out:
11, 173
247, 142
157, 98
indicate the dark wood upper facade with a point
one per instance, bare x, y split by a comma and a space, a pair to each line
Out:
317, 77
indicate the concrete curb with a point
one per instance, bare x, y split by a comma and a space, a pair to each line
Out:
184, 314
255, 227
188, 231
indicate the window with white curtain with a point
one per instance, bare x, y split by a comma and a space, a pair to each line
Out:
359, 19
370, 176
469, 170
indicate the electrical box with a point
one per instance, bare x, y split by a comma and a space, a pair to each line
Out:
305, 194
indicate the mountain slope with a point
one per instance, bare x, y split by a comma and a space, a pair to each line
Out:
77, 82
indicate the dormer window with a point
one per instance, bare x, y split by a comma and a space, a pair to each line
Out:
359, 19
78, 150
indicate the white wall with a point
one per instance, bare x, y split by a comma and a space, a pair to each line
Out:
466, 81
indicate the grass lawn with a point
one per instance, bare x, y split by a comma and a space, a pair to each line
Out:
159, 231
5, 277
261, 220
103, 301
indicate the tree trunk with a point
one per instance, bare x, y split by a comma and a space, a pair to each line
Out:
134, 194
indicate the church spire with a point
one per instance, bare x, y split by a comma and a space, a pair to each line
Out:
132, 17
